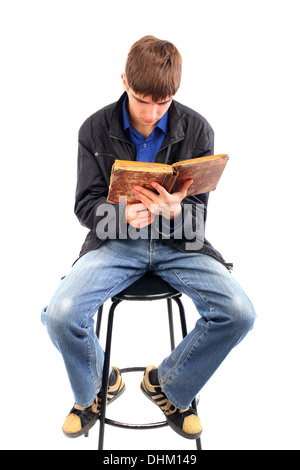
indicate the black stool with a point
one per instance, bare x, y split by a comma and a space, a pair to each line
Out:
148, 287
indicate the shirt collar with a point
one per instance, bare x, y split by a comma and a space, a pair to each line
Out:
161, 124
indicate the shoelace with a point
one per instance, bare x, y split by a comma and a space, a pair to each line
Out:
98, 398
165, 404
96, 403
167, 407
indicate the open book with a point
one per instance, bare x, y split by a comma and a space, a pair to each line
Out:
205, 172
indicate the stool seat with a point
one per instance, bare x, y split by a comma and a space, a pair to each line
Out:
148, 287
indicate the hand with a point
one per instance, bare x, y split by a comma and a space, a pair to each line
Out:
165, 204
138, 215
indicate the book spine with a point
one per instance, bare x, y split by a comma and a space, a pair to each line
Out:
168, 182
172, 179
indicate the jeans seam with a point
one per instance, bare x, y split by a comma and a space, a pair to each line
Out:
87, 338
191, 345
194, 290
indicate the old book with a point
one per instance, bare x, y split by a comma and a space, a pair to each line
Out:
125, 174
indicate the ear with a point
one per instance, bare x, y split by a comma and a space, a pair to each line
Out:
124, 81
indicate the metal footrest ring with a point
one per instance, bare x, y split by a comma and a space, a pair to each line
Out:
119, 424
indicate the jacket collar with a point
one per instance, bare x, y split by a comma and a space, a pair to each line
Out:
175, 131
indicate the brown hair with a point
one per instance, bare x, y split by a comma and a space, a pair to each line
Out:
153, 68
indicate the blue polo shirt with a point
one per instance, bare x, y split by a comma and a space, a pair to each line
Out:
146, 149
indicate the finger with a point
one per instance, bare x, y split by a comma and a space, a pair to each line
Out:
185, 188
160, 189
138, 207
138, 190
145, 199
144, 216
134, 209
138, 223
187, 184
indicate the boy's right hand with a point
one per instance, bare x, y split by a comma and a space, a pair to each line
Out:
138, 215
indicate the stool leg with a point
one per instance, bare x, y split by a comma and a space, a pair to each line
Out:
105, 376
171, 323
184, 333
182, 316
99, 319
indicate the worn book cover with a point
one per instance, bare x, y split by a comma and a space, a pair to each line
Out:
125, 174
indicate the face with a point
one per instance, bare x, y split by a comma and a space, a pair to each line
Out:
144, 112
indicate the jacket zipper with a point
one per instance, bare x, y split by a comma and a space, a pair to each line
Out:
170, 144
123, 140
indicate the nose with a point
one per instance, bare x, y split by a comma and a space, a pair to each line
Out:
153, 113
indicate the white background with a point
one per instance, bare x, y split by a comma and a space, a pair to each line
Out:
60, 62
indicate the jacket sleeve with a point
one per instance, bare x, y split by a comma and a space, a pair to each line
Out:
91, 191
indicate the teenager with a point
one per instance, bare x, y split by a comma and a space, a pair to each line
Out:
146, 124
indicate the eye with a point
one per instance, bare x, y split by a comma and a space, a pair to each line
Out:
164, 103
140, 101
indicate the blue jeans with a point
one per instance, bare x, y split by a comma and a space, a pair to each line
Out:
226, 314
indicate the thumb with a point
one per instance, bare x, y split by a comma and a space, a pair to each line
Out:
185, 187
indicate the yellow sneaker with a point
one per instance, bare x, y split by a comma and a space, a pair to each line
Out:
185, 422
80, 420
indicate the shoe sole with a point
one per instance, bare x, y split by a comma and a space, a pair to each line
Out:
94, 421
170, 423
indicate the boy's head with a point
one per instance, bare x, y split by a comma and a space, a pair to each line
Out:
153, 68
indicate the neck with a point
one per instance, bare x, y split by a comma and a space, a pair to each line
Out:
142, 129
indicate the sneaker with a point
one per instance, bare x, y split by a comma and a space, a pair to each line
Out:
185, 422
80, 420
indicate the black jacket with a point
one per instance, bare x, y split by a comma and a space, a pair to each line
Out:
102, 140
